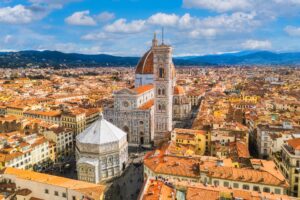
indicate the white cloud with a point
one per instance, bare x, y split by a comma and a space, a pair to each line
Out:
257, 44
163, 19
295, 2
81, 18
18, 14
7, 39
206, 33
292, 30
193, 27
121, 26
219, 5
105, 16
186, 21
238, 21
94, 36
235, 22
266, 10
53, 4
71, 48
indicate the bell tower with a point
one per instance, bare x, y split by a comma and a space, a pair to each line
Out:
163, 97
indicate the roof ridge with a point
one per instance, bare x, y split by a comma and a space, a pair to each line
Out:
110, 128
84, 132
148, 53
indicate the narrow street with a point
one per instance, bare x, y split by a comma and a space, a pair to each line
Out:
128, 185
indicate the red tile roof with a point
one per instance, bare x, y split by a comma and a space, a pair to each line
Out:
142, 89
295, 143
147, 105
145, 65
242, 150
157, 190
178, 90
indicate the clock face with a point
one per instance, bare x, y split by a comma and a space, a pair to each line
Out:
125, 104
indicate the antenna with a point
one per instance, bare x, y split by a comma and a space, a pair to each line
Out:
162, 35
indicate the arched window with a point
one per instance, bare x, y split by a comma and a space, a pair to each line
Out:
159, 107
163, 92
161, 73
163, 107
126, 129
159, 91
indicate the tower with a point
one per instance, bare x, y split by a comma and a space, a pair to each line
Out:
163, 86
154, 41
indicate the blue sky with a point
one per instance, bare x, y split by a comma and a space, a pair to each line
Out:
126, 27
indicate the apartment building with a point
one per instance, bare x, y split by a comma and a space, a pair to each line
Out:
63, 140
157, 189
259, 176
23, 151
74, 119
266, 134
289, 163
17, 110
28, 185
196, 139
50, 116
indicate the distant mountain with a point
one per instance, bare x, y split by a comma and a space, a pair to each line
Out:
250, 58
61, 60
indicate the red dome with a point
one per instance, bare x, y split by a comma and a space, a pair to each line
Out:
145, 65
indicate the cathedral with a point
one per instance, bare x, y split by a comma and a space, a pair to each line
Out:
148, 112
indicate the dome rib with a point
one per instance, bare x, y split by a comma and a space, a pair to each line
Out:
101, 132
145, 64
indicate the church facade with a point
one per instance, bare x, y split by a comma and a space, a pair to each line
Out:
147, 112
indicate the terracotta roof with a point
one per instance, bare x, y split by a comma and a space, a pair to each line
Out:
142, 89
178, 90
242, 150
145, 65
8, 157
295, 143
50, 113
147, 105
160, 163
75, 112
157, 190
246, 175
200, 193
185, 136
214, 193
39, 141
15, 106
89, 189
180, 149
177, 166
191, 131
267, 165
92, 111
9, 118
